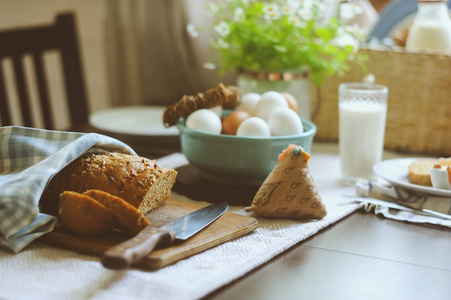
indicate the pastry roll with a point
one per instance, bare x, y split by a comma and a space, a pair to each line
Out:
289, 190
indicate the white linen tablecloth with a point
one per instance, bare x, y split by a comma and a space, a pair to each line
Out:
47, 272
43, 271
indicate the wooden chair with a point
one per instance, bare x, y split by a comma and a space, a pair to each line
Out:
35, 41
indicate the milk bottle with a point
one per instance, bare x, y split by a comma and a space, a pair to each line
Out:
431, 28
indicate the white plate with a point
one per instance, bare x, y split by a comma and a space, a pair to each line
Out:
395, 171
133, 120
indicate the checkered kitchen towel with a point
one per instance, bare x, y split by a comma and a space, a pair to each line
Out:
29, 158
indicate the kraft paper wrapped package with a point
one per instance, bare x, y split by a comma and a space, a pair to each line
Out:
289, 191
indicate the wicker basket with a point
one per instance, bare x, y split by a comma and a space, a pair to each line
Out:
419, 100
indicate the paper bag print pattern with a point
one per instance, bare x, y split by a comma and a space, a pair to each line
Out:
289, 191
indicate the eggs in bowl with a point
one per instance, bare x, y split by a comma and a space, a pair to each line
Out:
238, 160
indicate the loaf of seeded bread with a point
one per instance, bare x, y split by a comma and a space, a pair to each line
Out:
137, 180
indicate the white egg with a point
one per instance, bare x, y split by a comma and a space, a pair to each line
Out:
269, 102
284, 121
217, 110
204, 120
248, 103
254, 127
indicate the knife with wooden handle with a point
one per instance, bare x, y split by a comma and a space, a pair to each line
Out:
123, 255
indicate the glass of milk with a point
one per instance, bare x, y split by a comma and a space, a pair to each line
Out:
362, 114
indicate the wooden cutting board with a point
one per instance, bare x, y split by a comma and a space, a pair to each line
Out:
225, 228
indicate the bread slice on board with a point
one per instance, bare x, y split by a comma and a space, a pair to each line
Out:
83, 214
130, 219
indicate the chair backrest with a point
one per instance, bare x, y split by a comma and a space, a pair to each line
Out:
35, 41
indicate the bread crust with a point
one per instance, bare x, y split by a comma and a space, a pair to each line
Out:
129, 218
95, 212
82, 214
137, 180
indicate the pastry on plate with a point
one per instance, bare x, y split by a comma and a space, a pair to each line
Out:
420, 170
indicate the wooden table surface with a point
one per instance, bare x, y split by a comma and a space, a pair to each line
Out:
363, 256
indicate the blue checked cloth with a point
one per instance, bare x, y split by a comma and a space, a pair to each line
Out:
29, 158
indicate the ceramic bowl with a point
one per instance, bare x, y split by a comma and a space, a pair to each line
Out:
238, 160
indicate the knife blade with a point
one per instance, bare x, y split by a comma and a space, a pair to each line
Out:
123, 255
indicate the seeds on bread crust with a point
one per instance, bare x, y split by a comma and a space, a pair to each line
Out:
137, 180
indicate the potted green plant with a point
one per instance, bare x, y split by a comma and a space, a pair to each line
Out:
275, 45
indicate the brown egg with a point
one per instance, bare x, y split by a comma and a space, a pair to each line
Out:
231, 123
292, 103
